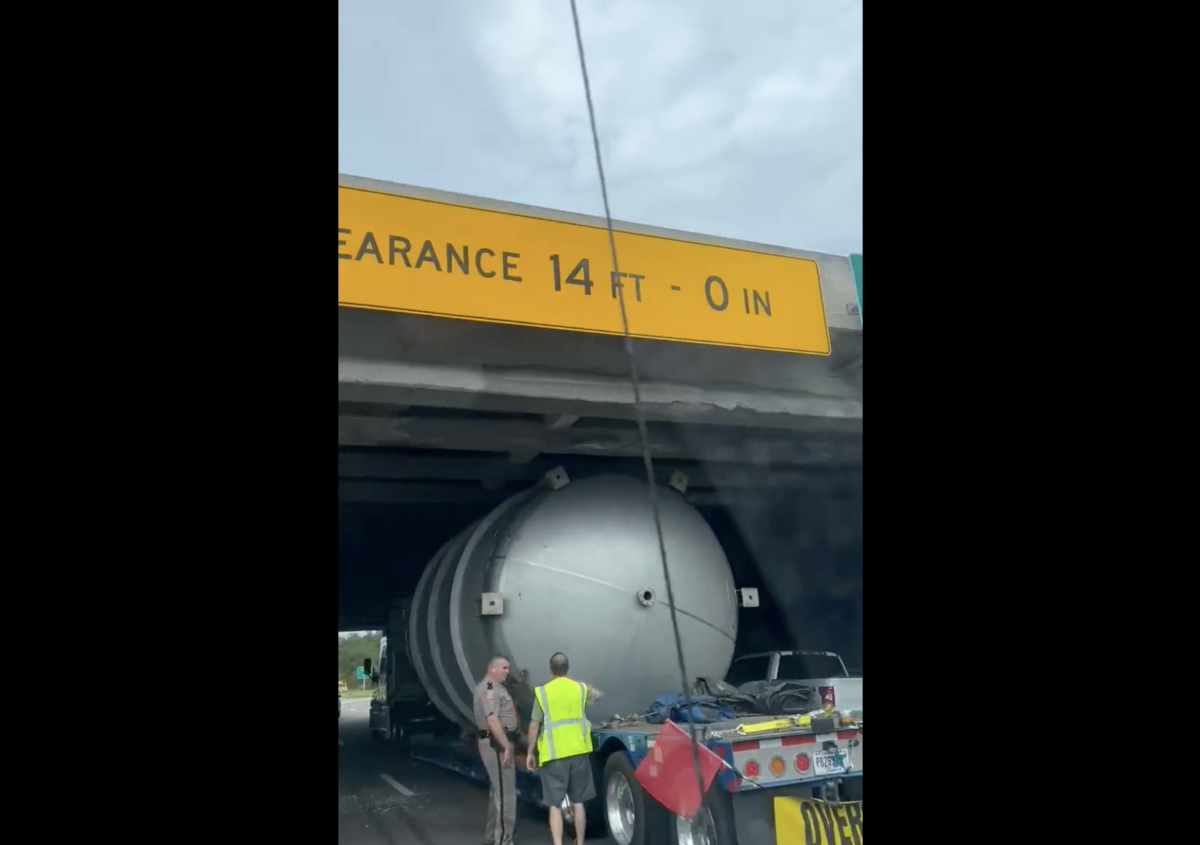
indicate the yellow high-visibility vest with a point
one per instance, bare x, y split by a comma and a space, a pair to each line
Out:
566, 731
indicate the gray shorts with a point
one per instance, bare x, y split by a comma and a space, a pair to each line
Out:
567, 776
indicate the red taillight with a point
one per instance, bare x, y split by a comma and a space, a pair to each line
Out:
828, 699
802, 763
750, 770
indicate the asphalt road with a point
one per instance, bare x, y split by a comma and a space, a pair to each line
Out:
386, 798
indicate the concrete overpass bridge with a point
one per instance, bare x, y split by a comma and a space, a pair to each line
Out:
440, 419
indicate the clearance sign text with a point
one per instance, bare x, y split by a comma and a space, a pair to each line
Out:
805, 821
425, 257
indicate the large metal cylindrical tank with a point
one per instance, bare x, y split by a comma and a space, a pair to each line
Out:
575, 569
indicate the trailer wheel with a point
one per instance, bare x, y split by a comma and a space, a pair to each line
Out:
712, 824
401, 737
595, 807
593, 810
631, 816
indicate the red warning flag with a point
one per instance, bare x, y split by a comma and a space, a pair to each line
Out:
668, 774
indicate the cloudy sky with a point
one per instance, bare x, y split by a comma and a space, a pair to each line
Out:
740, 120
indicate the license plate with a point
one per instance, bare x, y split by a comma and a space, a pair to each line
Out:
829, 762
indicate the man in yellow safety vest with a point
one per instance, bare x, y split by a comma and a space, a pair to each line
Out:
564, 745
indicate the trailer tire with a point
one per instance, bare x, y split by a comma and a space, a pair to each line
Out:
399, 735
597, 826
401, 738
631, 817
593, 809
713, 823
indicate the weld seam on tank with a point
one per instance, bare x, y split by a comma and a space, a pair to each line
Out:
438, 625
731, 637
414, 613
416, 622
430, 635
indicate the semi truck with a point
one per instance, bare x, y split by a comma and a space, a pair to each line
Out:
575, 566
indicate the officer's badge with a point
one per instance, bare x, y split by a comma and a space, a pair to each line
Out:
490, 695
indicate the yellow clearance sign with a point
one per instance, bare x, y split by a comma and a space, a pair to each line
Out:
426, 257
805, 821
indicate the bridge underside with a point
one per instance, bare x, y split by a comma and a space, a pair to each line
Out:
440, 420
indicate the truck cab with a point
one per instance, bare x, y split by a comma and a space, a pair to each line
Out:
400, 703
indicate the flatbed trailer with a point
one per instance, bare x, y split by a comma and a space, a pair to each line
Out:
816, 771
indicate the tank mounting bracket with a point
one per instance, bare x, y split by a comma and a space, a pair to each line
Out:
557, 478
679, 482
491, 604
748, 596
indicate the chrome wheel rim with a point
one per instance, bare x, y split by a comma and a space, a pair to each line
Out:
618, 807
698, 830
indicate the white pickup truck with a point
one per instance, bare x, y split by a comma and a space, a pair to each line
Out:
822, 670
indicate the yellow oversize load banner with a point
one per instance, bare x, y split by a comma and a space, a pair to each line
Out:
422, 256
806, 821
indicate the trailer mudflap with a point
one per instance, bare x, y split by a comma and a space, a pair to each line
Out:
789, 815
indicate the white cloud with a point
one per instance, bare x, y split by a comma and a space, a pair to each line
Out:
742, 121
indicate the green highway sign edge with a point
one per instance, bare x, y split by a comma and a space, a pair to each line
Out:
856, 268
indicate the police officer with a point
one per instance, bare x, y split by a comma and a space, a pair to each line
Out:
496, 719
564, 745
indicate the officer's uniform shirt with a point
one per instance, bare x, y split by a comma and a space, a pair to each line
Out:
491, 697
